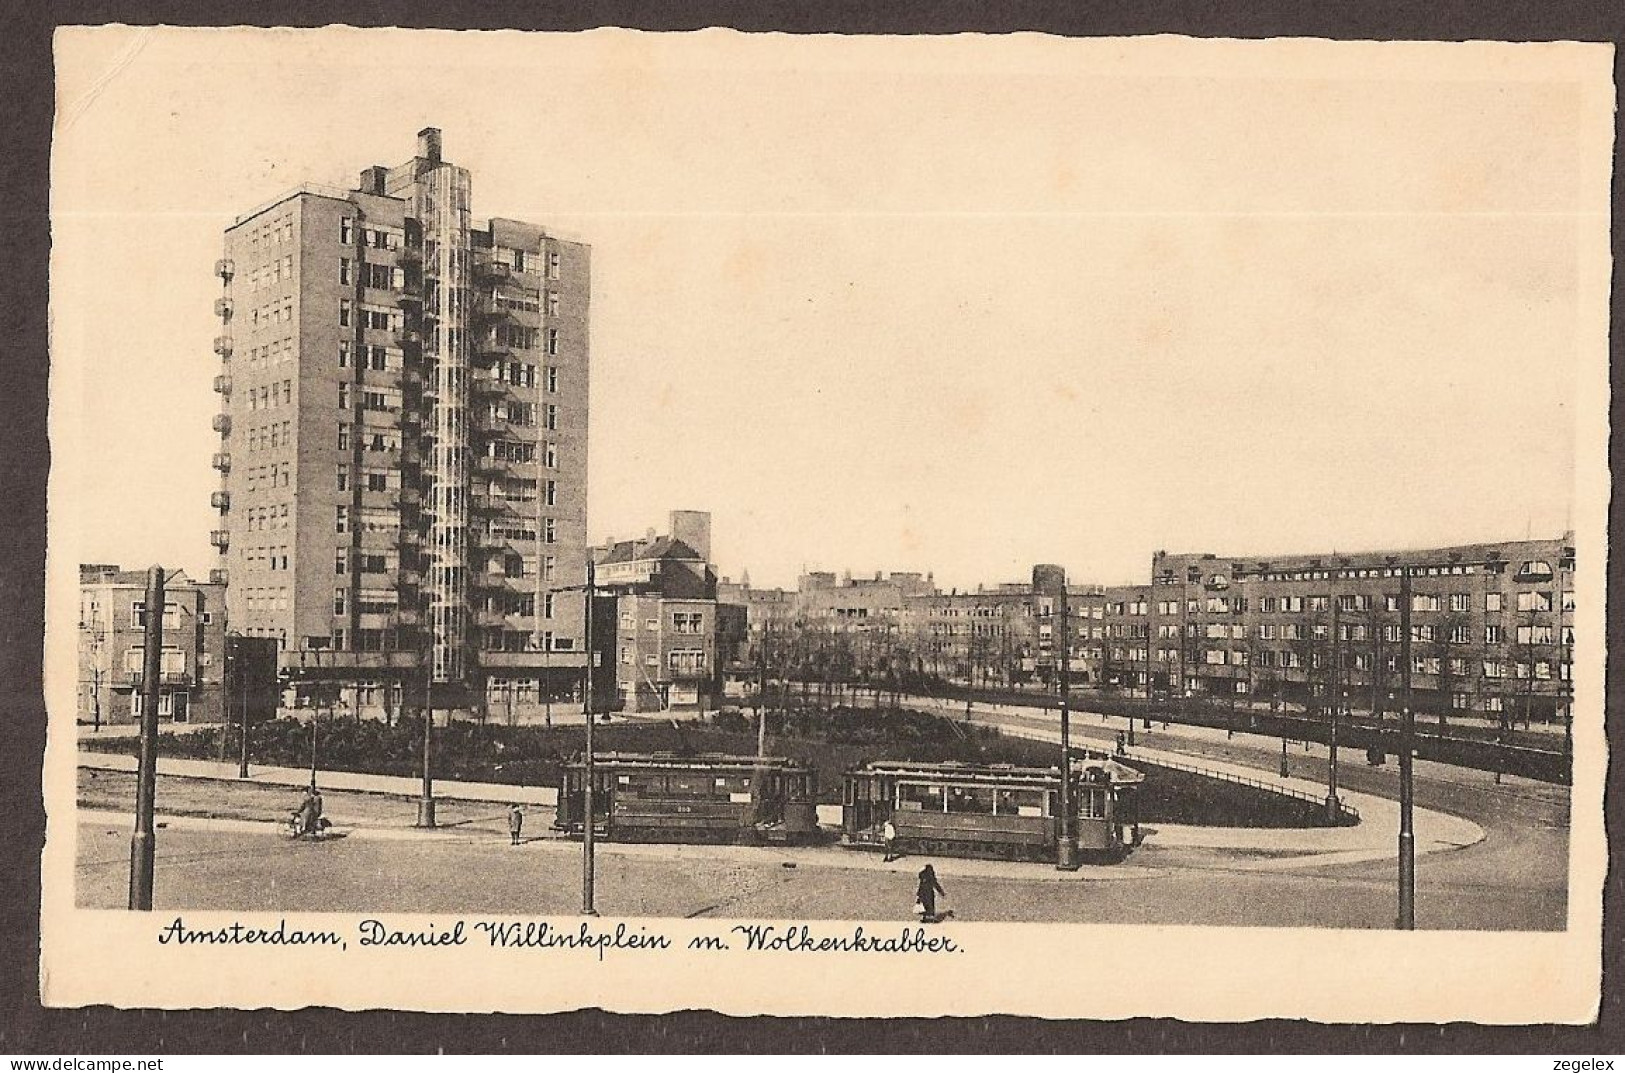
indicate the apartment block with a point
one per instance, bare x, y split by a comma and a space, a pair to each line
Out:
112, 647
403, 440
665, 647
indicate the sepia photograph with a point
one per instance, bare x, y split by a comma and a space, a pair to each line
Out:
840, 525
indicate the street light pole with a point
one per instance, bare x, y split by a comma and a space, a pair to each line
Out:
426, 795
1337, 695
1066, 854
1407, 731
242, 694
142, 840
587, 824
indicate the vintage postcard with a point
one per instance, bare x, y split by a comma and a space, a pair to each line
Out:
880, 526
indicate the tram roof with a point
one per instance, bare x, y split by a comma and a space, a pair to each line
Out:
690, 762
947, 770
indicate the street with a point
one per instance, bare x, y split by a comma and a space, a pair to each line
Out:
232, 855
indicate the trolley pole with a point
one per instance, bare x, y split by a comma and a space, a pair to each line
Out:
587, 818
152, 666
1407, 732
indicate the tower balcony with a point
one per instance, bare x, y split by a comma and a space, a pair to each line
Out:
222, 461
225, 269
220, 538
222, 345
409, 254
222, 308
222, 384
222, 424
494, 581
219, 576
483, 503
489, 386
493, 271
487, 349
490, 464
220, 499
490, 619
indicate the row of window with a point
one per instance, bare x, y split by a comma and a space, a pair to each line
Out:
682, 660
366, 520
272, 231
525, 261
372, 480
367, 562
271, 475
372, 357
378, 238
271, 273
266, 599
376, 276
375, 440
270, 396
273, 313
376, 318
276, 352
270, 436
266, 558
259, 519
380, 399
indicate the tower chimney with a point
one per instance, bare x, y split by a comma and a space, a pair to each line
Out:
429, 144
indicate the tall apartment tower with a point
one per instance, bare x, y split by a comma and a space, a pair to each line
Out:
403, 452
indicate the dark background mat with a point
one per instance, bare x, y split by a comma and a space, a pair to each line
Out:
25, 119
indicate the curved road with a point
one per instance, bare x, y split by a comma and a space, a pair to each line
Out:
1515, 878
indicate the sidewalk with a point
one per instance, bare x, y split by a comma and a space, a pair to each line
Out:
397, 785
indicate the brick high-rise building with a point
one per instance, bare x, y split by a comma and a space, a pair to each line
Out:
403, 449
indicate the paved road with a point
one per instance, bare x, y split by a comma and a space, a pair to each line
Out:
1513, 879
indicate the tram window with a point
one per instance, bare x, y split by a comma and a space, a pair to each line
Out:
915, 797
1092, 803
688, 785
974, 799
1021, 803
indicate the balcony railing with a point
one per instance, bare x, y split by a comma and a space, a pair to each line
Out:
494, 271
221, 461
224, 268
222, 308
219, 576
220, 499
220, 538
222, 384
222, 424
169, 678
222, 345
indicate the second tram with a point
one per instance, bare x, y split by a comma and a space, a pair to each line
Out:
996, 811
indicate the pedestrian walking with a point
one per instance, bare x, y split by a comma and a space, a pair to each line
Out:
926, 897
516, 822
888, 832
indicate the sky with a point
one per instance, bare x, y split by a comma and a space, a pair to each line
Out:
956, 305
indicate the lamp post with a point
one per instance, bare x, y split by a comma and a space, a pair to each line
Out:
588, 880
1338, 695
1407, 730
1066, 853
237, 659
426, 794
142, 840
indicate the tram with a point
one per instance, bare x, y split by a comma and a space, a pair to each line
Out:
661, 797
996, 811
